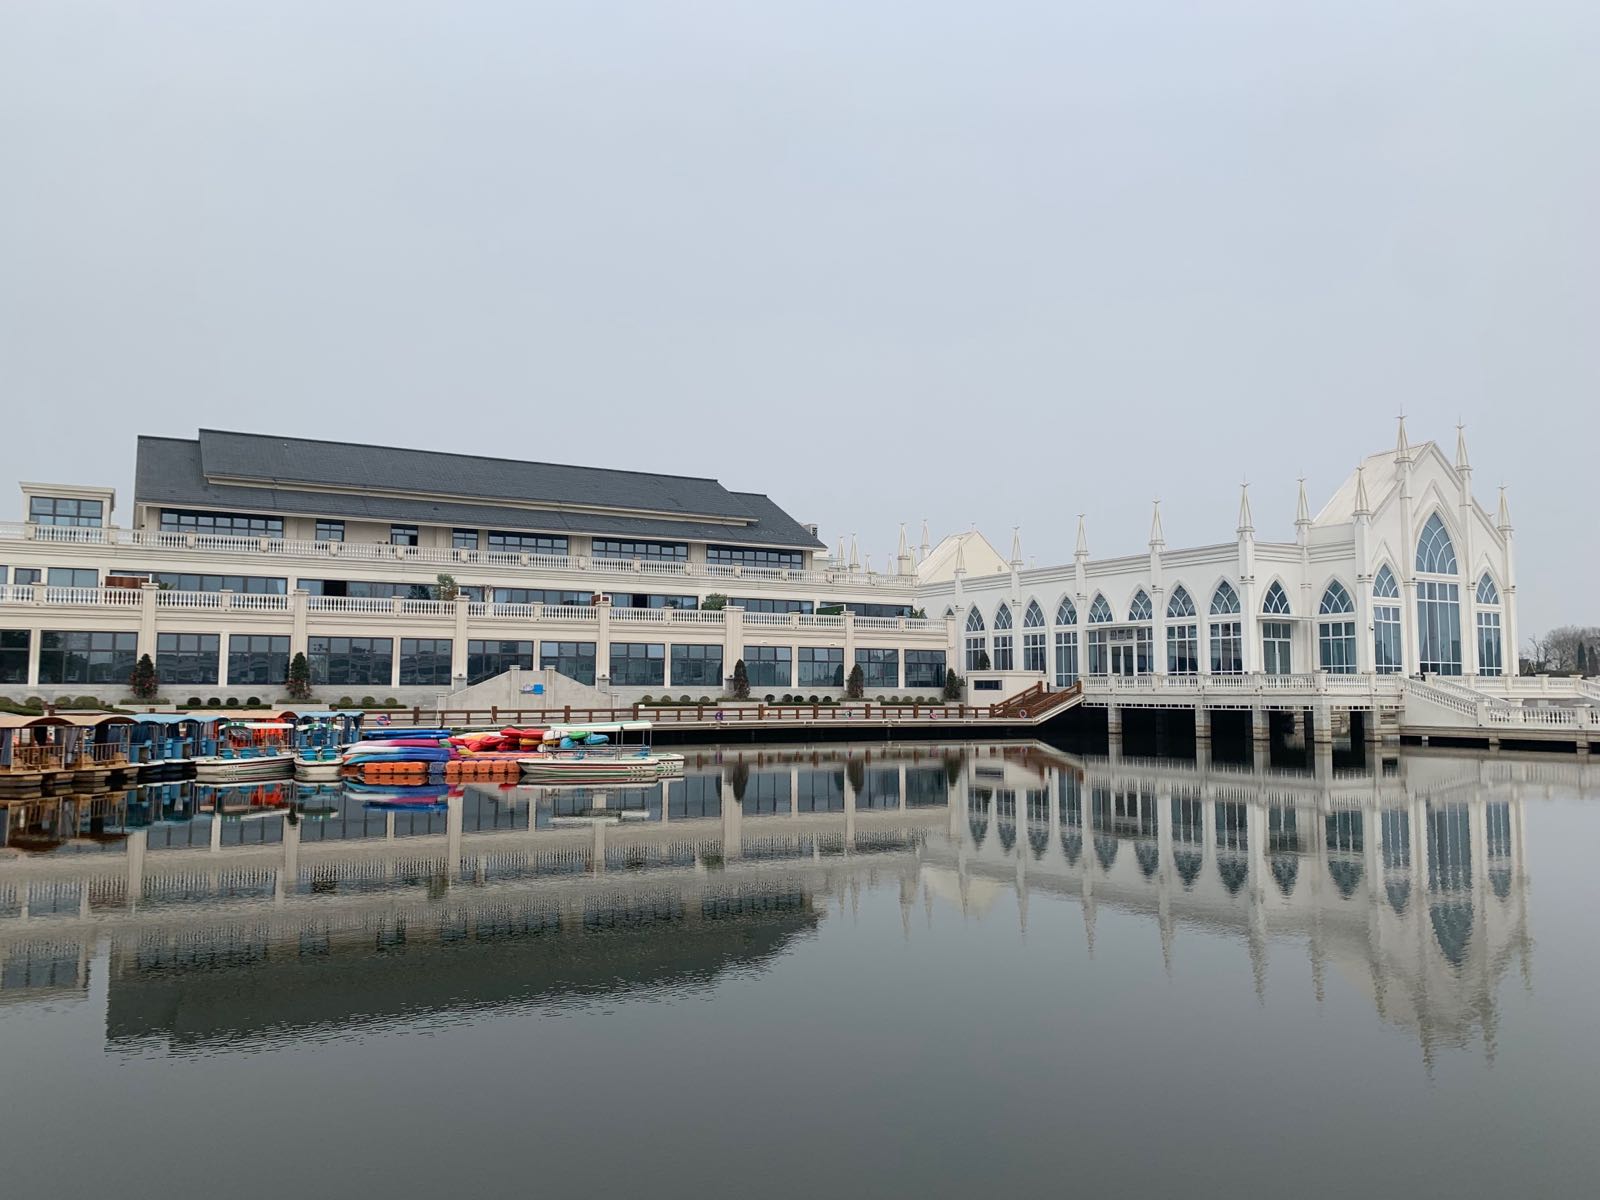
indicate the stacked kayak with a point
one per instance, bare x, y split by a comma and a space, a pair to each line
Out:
407, 755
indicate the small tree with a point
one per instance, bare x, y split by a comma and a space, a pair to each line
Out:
447, 587
855, 684
715, 602
143, 683
983, 660
918, 614
954, 685
741, 681
299, 685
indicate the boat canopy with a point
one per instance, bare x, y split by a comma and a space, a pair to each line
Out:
262, 724
166, 718
604, 727
92, 720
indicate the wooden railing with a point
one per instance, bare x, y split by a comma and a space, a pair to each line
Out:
1036, 703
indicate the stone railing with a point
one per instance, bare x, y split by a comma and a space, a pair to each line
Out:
1371, 687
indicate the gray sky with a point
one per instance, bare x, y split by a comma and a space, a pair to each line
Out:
993, 263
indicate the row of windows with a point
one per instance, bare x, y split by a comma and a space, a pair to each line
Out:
58, 510
747, 556
220, 524
1224, 601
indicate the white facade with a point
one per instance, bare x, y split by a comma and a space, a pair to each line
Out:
1402, 572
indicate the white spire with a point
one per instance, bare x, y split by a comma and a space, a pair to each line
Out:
1082, 550
1402, 448
1462, 463
904, 548
1016, 545
1246, 522
1363, 505
961, 555
926, 546
1157, 540
1503, 520
838, 557
869, 562
855, 556
1302, 511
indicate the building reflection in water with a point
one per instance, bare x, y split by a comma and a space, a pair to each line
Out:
221, 914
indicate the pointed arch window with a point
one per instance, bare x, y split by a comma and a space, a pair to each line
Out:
977, 645
1004, 655
1491, 650
1438, 603
1066, 672
1277, 637
1224, 600
1183, 634
1385, 623
1336, 639
1335, 600
1436, 554
1099, 611
1139, 610
1033, 639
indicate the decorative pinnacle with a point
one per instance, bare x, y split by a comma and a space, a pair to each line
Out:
1246, 522
1082, 550
1503, 520
1462, 462
1157, 539
1016, 545
1302, 511
1363, 505
1402, 448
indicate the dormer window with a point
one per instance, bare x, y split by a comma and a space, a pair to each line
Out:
59, 510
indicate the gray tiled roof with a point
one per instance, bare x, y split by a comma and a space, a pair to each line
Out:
177, 472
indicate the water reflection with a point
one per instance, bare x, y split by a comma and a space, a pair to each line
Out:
223, 914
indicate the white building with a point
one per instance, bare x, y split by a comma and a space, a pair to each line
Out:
411, 574
1401, 572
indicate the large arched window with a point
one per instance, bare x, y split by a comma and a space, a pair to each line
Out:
1066, 643
1183, 634
1277, 637
977, 644
1099, 611
1436, 554
1033, 638
1336, 637
1004, 655
1386, 658
1438, 602
1139, 610
1133, 650
1491, 652
1227, 640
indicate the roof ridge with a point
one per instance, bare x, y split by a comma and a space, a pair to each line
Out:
520, 462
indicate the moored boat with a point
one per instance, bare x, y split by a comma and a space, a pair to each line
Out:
249, 750
609, 753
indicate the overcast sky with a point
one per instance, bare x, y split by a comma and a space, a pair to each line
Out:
992, 263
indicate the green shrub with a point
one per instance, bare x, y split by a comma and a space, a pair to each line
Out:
344, 702
232, 702
213, 703
193, 702
647, 699
391, 702
811, 699
770, 698
369, 702
684, 699
252, 701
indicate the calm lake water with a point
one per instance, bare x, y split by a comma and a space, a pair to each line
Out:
846, 971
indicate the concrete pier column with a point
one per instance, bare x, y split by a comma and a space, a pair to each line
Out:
1260, 726
138, 842
1321, 720
1113, 724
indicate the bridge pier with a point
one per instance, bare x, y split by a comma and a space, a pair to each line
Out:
1114, 724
